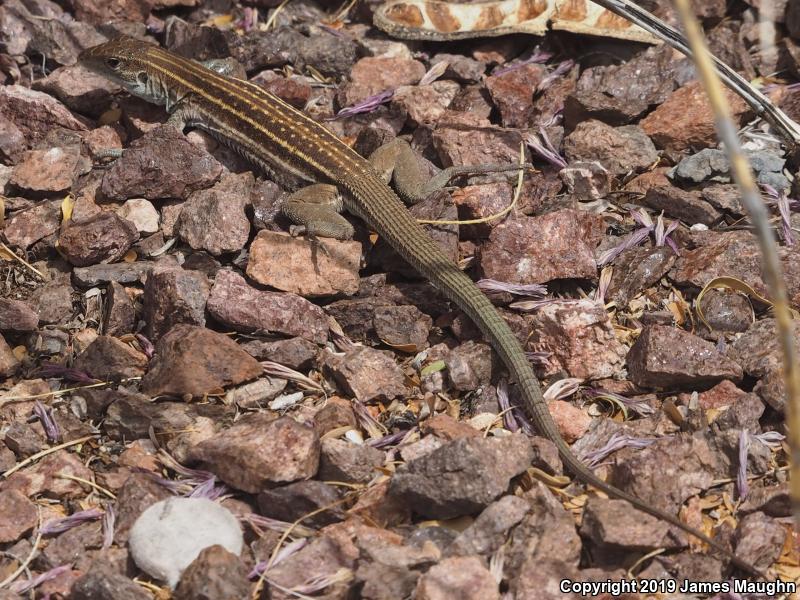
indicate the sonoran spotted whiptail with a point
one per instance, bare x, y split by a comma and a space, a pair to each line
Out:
281, 139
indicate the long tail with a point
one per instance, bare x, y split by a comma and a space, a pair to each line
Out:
462, 290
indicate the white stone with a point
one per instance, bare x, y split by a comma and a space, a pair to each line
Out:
169, 535
141, 213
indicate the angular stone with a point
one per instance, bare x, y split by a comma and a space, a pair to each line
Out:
27, 116
161, 164
366, 373
78, 88
26, 227
458, 578
297, 265
295, 353
372, 75
215, 573
685, 119
620, 150
689, 207
17, 316
462, 476
49, 171
295, 500
558, 245
141, 213
9, 364
669, 358
512, 94
120, 317
103, 238
341, 460
195, 361
580, 338
258, 451
236, 304
18, 515
173, 296
102, 582
611, 524
214, 219
108, 358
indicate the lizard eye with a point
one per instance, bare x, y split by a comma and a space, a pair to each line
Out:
113, 63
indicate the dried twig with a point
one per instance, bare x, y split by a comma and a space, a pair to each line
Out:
756, 210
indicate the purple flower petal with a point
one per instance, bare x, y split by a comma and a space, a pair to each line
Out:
531, 289
75, 519
741, 474
366, 105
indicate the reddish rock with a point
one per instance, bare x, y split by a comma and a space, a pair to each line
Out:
108, 358
619, 93
298, 265
611, 525
195, 361
458, 578
759, 540
734, 254
621, 150
259, 450
725, 393
296, 500
26, 227
173, 296
558, 245
462, 476
341, 460
49, 171
336, 413
669, 358
236, 304
160, 164
17, 316
512, 93
636, 270
425, 104
295, 353
103, 238
571, 421
9, 364
46, 477
78, 88
402, 326
366, 373
120, 317
580, 338
372, 75
479, 201
18, 515
54, 302
469, 366
115, 10
103, 582
27, 116
685, 120
447, 428
468, 140
215, 573
214, 220
687, 206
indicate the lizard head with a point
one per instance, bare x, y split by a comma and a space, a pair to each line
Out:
123, 60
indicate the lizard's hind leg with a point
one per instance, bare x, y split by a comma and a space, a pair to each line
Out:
315, 211
396, 162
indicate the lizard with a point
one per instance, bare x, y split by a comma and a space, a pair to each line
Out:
279, 138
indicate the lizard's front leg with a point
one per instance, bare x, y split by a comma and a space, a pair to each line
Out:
315, 211
398, 165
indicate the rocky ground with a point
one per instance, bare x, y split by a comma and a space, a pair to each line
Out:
163, 336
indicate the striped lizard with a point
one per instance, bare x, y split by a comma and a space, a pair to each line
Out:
281, 139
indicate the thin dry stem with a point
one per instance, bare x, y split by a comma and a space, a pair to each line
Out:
756, 210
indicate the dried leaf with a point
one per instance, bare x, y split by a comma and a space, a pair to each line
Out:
737, 285
434, 367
